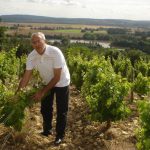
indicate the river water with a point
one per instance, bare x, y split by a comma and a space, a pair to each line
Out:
102, 43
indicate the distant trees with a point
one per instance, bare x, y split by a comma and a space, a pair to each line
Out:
2, 37
117, 31
65, 41
143, 45
95, 36
89, 36
137, 33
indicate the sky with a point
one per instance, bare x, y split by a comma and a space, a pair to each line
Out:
98, 9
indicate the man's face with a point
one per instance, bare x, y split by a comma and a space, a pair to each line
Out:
38, 44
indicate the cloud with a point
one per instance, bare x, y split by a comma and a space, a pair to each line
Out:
35, 1
58, 2
8, 1
71, 3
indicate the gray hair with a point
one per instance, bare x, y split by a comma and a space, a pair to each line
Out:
39, 34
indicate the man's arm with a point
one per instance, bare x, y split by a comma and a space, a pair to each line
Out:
25, 79
51, 84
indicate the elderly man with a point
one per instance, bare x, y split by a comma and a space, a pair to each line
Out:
51, 64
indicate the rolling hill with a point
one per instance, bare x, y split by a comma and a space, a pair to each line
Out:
87, 21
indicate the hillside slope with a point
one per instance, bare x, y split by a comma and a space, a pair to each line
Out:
81, 134
87, 21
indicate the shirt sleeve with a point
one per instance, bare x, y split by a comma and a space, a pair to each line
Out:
30, 63
58, 59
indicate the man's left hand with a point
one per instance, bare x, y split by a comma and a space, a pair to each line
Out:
38, 96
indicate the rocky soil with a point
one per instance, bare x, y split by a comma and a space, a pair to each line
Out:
81, 134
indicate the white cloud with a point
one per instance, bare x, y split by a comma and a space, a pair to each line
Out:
71, 3
58, 2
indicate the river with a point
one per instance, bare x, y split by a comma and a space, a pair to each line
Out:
102, 43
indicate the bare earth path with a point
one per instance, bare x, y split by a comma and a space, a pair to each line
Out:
81, 133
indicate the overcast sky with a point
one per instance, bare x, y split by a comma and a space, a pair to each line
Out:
99, 9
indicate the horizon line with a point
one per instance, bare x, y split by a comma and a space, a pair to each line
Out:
72, 17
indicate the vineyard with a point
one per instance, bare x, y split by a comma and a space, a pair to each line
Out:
109, 102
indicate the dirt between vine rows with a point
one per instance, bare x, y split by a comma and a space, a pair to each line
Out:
81, 134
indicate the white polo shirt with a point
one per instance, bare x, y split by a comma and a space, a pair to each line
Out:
45, 63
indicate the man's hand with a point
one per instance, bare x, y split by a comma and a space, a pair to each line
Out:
38, 96
24, 81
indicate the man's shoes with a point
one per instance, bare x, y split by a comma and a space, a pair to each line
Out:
58, 141
46, 133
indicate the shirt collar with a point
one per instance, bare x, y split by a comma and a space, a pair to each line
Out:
45, 53
46, 50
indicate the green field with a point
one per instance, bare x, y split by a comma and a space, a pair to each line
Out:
51, 29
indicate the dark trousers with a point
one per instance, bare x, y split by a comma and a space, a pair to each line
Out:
62, 98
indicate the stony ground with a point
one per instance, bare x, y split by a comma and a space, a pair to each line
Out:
81, 133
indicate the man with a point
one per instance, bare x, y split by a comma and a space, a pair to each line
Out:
51, 64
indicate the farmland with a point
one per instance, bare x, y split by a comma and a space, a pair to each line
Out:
50, 29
